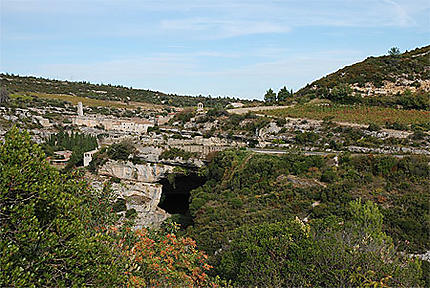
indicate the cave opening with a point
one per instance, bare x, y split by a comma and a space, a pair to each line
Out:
175, 196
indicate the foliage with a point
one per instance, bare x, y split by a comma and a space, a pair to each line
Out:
323, 254
57, 232
306, 137
183, 116
354, 114
394, 51
342, 93
419, 100
48, 223
173, 153
373, 127
121, 151
284, 94
268, 255
244, 188
270, 96
162, 259
374, 70
4, 95
76, 142
117, 95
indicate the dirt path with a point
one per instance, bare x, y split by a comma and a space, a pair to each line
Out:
255, 109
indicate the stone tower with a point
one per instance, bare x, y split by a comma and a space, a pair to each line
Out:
200, 107
80, 109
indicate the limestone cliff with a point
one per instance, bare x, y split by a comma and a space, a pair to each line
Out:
144, 198
139, 188
149, 172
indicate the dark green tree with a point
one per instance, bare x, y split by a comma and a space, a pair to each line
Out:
327, 253
49, 222
394, 51
270, 96
283, 94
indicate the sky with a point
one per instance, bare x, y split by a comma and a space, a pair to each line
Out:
218, 48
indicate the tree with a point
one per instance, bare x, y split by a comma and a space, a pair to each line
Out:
48, 223
330, 252
4, 95
159, 258
283, 94
394, 51
343, 93
57, 232
269, 255
270, 96
121, 151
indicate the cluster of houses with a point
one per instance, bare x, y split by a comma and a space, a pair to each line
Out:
136, 125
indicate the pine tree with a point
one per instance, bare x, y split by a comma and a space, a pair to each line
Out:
283, 94
270, 96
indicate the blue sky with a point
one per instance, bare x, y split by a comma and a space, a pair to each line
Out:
227, 48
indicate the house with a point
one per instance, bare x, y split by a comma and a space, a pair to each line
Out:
235, 105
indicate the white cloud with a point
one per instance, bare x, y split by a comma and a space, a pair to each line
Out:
183, 74
221, 28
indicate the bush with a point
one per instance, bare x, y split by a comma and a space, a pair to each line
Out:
48, 223
57, 232
172, 153
328, 176
374, 127
121, 151
327, 253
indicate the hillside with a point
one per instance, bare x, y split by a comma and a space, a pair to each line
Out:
246, 194
26, 84
377, 80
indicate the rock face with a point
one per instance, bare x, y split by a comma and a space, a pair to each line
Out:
139, 189
149, 173
144, 198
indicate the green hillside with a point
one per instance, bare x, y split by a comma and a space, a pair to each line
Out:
26, 84
387, 80
236, 212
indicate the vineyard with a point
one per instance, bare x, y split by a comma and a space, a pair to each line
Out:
355, 114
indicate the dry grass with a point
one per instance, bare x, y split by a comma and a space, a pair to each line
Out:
85, 101
354, 114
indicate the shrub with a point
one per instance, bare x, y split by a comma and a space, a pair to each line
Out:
327, 253
374, 127
121, 151
48, 223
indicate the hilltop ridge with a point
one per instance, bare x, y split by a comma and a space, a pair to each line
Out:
379, 79
23, 84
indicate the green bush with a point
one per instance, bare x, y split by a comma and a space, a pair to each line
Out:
121, 151
48, 221
327, 253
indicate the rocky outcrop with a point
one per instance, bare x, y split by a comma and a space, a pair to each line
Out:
139, 189
143, 198
388, 150
149, 172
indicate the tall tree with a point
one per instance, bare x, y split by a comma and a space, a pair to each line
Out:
283, 94
394, 51
270, 96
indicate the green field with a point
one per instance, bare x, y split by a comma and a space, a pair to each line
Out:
354, 114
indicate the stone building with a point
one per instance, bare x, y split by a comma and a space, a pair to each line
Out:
80, 109
136, 125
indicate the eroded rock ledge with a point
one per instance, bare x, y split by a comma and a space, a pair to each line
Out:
138, 186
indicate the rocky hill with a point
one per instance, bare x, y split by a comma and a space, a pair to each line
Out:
22, 84
377, 77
